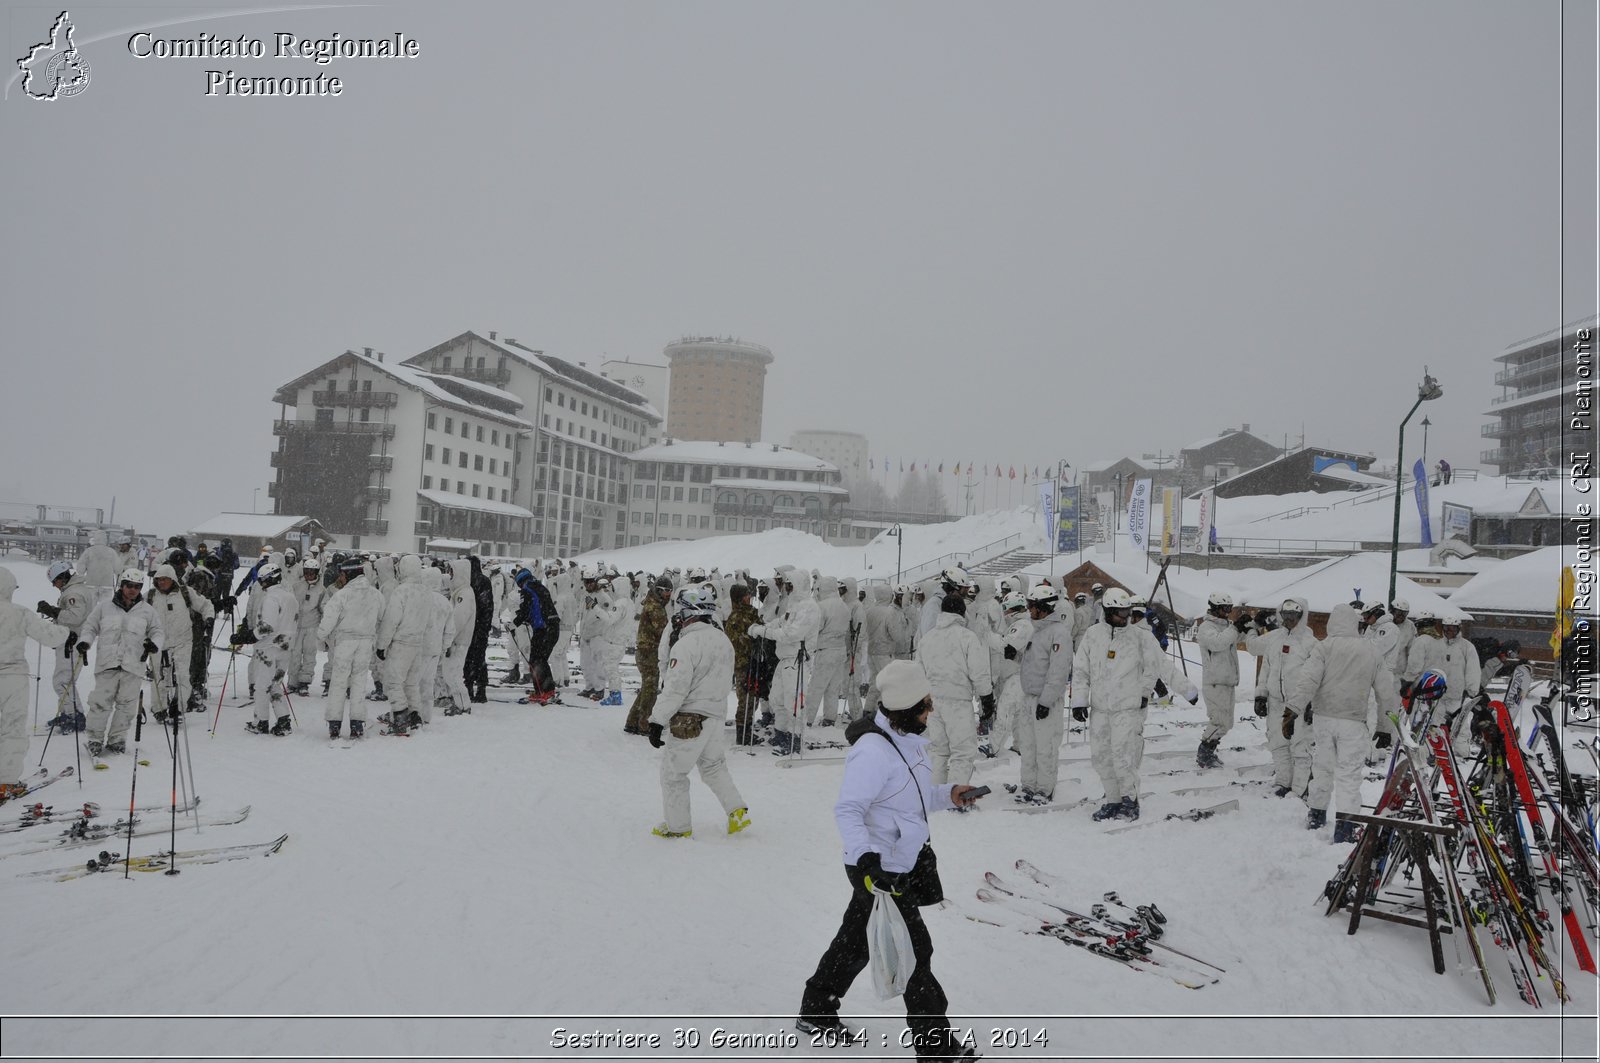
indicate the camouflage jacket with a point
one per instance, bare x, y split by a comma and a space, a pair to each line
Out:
736, 629
652, 622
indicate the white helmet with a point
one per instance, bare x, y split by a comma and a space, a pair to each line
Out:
268, 573
954, 574
1116, 598
312, 564
1451, 619
1400, 605
1044, 596
58, 569
1424, 616
902, 590
697, 575
588, 573
1220, 599
695, 600
131, 575
1013, 602
1290, 606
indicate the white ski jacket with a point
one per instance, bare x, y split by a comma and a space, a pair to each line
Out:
955, 661
881, 801
351, 612
1115, 668
1341, 671
1219, 651
698, 677
118, 633
18, 625
1047, 663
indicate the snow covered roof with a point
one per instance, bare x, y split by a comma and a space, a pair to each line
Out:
248, 525
1525, 584
416, 380
1326, 585
797, 487
452, 544
1350, 476
1102, 466
710, 452
482, 505
603, 386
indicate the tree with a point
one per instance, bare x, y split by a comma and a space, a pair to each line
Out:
921, 492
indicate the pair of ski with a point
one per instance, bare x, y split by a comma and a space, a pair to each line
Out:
1193, 815
41, 813
42, 778
85, 833
162, 861
1130, 937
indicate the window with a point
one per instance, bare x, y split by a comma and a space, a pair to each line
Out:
561, 401
633, 540
461, 459
366, 413
748, 524
432, 422
677, 494
585, 410
547, 395
558, 425
505, 496
444, 363
324, 417
677, 520
638, 490
650, 518
546, 421
719, 524
427, 452
636, 516
494, 437
366, 385
447, 455
461, 487
449, 425
694, 494
466, 432
491, 466
474, 490
705, 522
477, 463
649, 490
761, 524
427, 483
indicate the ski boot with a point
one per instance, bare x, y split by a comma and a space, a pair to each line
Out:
1130, 808
11, 790
377, 693
116, 747
738, 820
1207, 757
1346, 833
301, 690
828, 723
1282, 791
357, 727
613, 698
325, 684
1316, 819
334, 726
95, 749
783, 743
282, 727
660, 831
1109, 810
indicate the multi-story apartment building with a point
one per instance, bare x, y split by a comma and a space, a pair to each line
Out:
691, 490
716, 388
846, 451
393, 458
571, 466
1538, 399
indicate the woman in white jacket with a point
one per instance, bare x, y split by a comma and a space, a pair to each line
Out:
882, 815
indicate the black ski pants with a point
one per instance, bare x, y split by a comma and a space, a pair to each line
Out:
847, 957
540, 646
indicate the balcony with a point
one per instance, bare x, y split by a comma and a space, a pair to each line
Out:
375, 494
304, 427
496, 377
739, 509
1531, 368
277, 458
272, 489
380, 463
1497, 456
374, 526
358, 399
789, 511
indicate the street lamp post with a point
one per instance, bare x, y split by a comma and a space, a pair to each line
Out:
1425, 424
899, 546
1428, 390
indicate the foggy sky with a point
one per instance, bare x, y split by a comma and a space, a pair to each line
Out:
1013, 232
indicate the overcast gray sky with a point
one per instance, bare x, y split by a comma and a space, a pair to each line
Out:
1007, 232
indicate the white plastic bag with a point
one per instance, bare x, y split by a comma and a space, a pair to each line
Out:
889, 948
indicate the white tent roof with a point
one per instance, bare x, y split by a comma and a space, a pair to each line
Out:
1326, 585
1525, 584
247, 525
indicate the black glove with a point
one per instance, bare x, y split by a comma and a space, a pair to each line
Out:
1011, 653
1288, 723
1405, 688
1193, 699
985, 707
1144, 703
243, 636
1261, 706
1241, 622
228, 602
448, 651
1080, 714
149, 648
655, 736
1383, 740
46, 609
871, 867
83, 654
1041, 711
382, 655
1307, 715
67, 647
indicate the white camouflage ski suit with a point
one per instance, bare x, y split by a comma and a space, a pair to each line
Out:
1346, 686
1044, 669
308, 616
1283, 653
1114, 672
118, 633
828, 661
275, 630
695, 686
796, 627
1219, 674
957, 665
349, 623
403, 637
17, 626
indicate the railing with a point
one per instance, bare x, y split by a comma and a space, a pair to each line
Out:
740, 509
496, 376
272, 489
297, 427
355, 398
1289, 546
374, 526
1541, 391
1291, 514
1529, 368
380, 463
376, 494
982, 553
276, 459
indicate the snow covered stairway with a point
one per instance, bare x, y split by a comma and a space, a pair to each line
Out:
1007, 563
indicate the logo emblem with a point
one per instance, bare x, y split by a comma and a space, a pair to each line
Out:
55, 69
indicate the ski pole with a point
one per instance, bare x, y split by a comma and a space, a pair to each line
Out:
176, 720
222, 692
168, 696
38, 674
138, 734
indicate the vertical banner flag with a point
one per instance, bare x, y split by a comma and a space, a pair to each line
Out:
1564, 611
1047, 503
1066, 517
1203, 529
1139, 516
1420, 475
1169, 520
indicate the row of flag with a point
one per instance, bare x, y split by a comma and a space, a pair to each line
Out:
1049, 472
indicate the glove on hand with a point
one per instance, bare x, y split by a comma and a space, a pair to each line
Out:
871, 867
1193, 699
655, 736
756, 630
1288, 723
1307, 715
1241, 622
986, 707
1041, 711
1405, 689
68, 646
1383, 740
46, 609
448, 651
1011, 653
383, 655
228, 603
83, 653
1144, 703
1261, 706
1080, 714
149, 648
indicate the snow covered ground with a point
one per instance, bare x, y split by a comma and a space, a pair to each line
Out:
473, 889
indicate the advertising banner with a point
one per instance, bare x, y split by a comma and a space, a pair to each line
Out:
1139, 516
